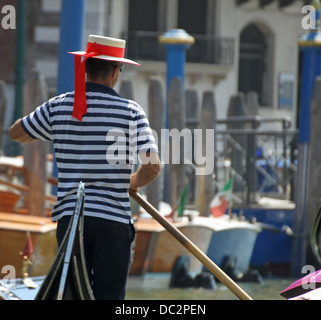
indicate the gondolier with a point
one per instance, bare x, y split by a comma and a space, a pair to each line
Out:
96, 134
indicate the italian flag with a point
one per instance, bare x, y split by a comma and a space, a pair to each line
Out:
221, 200
182, 202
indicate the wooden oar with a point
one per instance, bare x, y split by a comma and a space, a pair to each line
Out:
190, 246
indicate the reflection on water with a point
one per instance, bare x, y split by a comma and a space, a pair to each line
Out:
155, 288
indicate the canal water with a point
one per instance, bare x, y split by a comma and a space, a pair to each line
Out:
157, 288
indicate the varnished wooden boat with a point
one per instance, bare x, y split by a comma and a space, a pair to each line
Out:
67, 278
13, 235
16, 190
157, 251
8, 200
16, 221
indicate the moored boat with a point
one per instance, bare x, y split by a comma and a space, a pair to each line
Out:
13, 235
156, 250
17, 221
272, 250
67, 278
233, 240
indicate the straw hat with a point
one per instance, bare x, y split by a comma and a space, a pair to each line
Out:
106, 48
100, 47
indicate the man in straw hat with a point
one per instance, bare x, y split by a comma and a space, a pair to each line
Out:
95, 134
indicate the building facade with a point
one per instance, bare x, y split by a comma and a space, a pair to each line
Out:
240, 45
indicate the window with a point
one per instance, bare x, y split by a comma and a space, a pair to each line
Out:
148, 19
254, 70
143, 15
143, 30
192, 16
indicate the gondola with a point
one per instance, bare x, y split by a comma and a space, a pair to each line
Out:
68, 278
308, 287
316, 236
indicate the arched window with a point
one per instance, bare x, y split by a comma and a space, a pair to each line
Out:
255, 61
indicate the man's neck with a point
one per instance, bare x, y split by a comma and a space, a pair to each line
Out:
106, 82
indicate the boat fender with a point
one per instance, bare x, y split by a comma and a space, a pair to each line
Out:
205, 280
181, 277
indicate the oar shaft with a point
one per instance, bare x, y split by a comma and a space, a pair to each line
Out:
189, 245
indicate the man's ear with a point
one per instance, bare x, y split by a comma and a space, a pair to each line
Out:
114, 72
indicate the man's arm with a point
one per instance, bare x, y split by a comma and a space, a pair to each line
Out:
147, 172
18, 134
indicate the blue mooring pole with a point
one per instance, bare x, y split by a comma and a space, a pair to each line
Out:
310, 46
72, 26
176, 42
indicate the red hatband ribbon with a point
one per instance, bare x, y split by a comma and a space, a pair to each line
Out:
92, 50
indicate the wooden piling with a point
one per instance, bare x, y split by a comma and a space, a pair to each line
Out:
177, 120
126, 90
192, 109
237, 147
252, 103
252, 109
35, 152
156, 107
204, 183
3, 107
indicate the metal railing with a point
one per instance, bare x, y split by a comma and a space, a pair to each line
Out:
144, 45
263, 162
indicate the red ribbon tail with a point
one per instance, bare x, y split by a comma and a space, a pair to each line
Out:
80, 103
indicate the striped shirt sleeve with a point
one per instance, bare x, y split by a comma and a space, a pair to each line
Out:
142, 135
37, 124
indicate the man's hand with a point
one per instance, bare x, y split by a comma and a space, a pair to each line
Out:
147, 172
133, 183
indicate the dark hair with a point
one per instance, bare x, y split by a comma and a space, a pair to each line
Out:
96, 68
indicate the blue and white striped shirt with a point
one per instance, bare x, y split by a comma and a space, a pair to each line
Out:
99, 150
